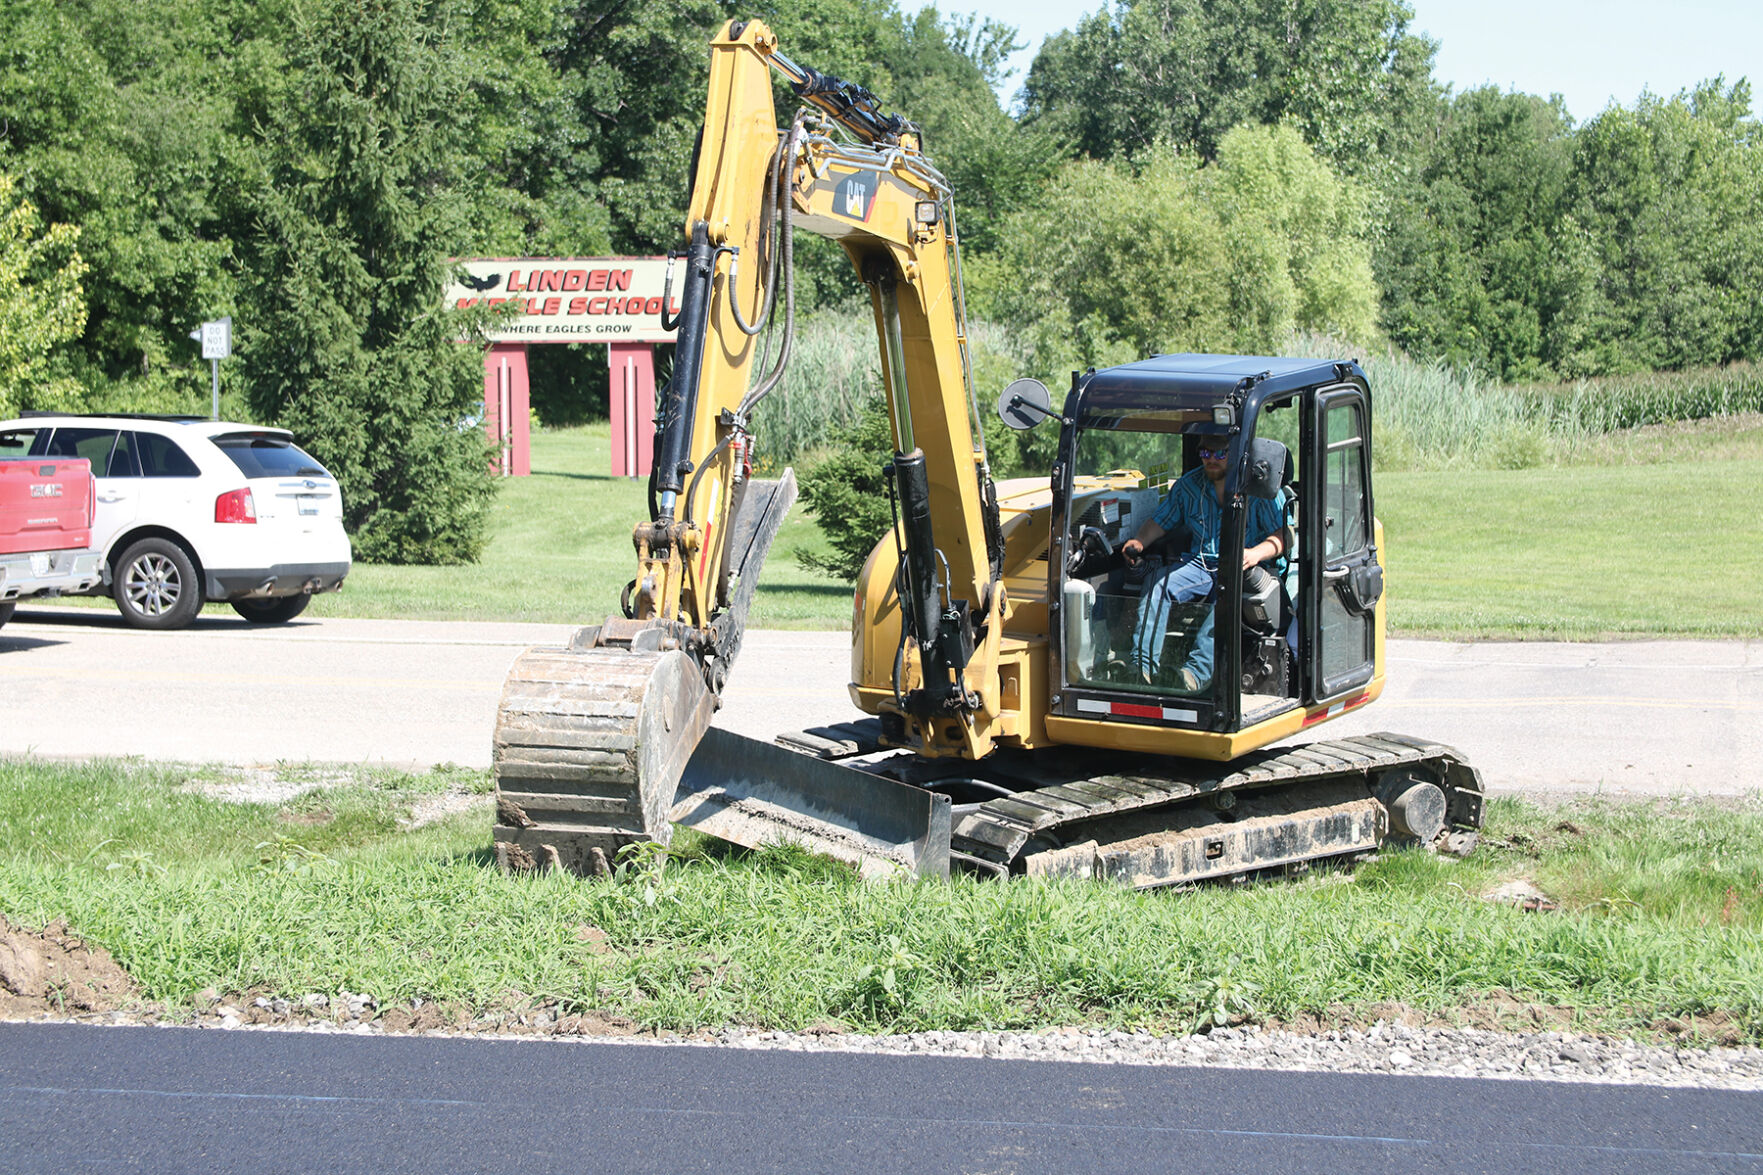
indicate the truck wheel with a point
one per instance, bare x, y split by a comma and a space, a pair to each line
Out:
155, 585
276, 611
6, 611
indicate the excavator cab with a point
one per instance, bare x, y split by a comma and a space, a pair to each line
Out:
1181, 641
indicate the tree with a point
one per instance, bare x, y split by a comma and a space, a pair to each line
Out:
113, 125
1116, 264
41, 303
1671, 196
1479, 265
1297, 236
1145, 72
360, 204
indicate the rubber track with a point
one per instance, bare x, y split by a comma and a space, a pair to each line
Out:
999, 829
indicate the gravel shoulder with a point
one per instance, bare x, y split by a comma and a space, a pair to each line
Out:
1378, 1048
54, 976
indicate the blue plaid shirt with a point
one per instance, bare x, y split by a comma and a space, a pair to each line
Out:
1193, 503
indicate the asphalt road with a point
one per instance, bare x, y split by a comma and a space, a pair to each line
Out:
79, 1098
1649, 716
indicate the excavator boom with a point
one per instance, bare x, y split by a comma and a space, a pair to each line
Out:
592, 738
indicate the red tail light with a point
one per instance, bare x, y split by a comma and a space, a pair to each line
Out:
237, 506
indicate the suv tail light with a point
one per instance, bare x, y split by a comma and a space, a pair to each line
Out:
237, 506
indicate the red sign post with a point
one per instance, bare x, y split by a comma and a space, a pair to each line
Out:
633, 408
508, 409
612, 300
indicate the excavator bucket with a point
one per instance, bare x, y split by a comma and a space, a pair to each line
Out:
590, 743
755, 793
592, 740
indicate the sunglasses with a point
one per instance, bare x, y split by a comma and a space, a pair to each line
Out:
1209, 451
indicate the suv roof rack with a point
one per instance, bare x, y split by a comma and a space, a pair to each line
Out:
172, 417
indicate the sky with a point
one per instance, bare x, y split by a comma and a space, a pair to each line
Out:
1591, 52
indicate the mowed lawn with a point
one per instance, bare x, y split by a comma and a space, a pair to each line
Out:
1657, 535
560, 551
1576, 553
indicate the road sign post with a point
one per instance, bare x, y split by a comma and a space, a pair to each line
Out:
217, 343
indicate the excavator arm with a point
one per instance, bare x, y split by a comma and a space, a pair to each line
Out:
593, 738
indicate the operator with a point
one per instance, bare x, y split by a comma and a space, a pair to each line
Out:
1196, 501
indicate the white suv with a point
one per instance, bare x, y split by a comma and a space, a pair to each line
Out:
191, 509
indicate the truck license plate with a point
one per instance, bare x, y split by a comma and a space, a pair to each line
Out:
41, 562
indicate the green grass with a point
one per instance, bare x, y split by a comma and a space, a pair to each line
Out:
1574, 551
1673, 548
560, 551
1662, 917
1560, 553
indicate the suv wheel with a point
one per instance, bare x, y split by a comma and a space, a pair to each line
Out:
155, 585
276, 611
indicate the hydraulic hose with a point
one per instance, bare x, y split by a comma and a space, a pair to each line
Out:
788, 276
768, 256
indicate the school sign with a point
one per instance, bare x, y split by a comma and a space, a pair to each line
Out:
569, 299
613, 300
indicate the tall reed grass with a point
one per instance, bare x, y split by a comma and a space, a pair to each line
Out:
1617, 402
835, 369
1431, 415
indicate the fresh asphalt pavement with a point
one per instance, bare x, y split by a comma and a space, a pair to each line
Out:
78, 1098
1642, 716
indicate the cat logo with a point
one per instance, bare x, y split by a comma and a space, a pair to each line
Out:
855, 195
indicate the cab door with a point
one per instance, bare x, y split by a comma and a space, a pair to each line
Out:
1343, 578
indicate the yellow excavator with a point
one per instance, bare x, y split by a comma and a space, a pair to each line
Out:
1035, 706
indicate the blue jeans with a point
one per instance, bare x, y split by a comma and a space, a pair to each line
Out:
1182, 583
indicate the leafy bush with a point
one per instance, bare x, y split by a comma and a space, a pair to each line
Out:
831, 413
41, 303
847, 493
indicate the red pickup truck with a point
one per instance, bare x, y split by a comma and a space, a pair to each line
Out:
45, 529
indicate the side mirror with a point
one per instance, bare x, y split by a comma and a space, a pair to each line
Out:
1025, 403
1270, 468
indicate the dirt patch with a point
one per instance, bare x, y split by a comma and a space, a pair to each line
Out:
54, 972
1523, 893
1717, 1027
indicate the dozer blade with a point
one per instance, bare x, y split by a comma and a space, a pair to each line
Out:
590, 744
755, 793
